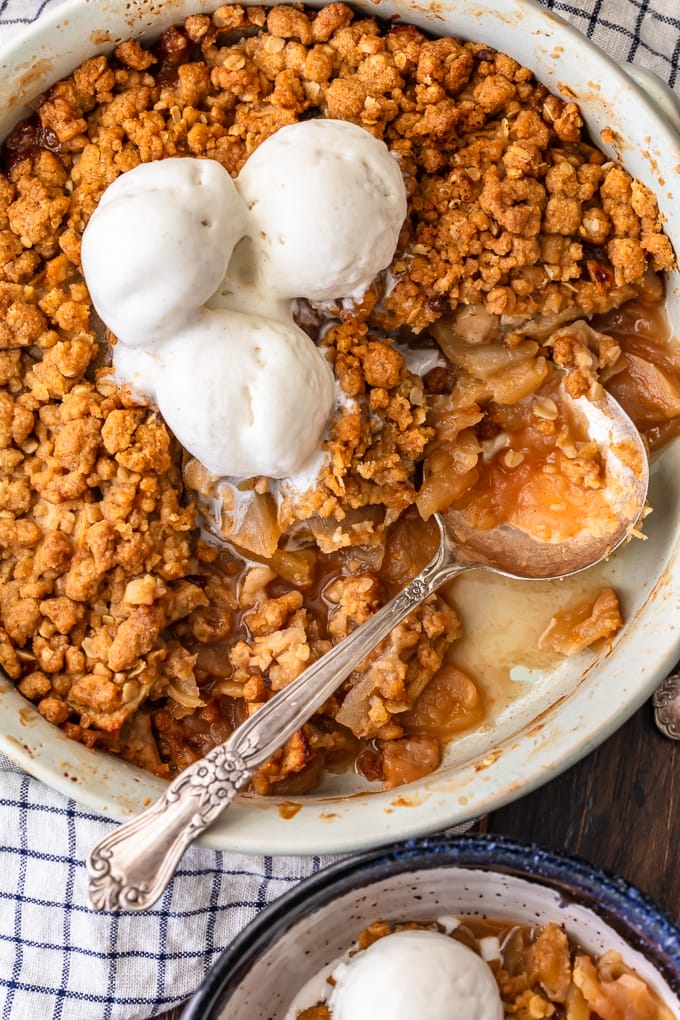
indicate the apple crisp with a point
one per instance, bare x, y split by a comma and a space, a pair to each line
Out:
147, 607
540, 970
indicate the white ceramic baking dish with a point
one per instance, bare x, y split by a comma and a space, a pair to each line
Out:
560, 714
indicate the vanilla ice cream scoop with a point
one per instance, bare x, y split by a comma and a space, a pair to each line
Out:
415, 975
195, 275
326, 204
158, 245
244, 394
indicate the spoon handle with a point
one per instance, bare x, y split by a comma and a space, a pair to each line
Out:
130, 868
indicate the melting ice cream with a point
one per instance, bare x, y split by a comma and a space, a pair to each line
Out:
316, 213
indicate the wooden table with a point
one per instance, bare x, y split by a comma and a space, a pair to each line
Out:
619, 808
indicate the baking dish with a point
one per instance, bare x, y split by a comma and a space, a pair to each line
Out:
561, 714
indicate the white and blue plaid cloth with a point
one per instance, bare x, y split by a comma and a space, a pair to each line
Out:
59, 960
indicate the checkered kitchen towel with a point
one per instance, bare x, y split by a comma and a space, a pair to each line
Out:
61, 961
57, 958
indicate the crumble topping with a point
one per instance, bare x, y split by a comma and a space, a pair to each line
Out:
128, 627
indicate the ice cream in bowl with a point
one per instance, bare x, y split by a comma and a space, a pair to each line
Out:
472, 926
282, 285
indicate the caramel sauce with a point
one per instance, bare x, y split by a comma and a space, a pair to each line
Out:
25, 141
173, 49
288, 809
646, 379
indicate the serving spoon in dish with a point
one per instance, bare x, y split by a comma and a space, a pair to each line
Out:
130, 868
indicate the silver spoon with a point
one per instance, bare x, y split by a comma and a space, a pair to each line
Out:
130, 868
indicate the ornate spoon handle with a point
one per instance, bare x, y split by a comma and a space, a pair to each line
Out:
130, 868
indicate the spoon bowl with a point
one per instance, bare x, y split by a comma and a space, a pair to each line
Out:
515, 553
130, 868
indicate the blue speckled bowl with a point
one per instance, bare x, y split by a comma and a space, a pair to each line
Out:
313, 924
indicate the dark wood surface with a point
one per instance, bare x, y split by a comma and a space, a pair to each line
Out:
619, 808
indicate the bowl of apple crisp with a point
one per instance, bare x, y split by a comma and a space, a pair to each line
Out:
469, 926
278, 284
